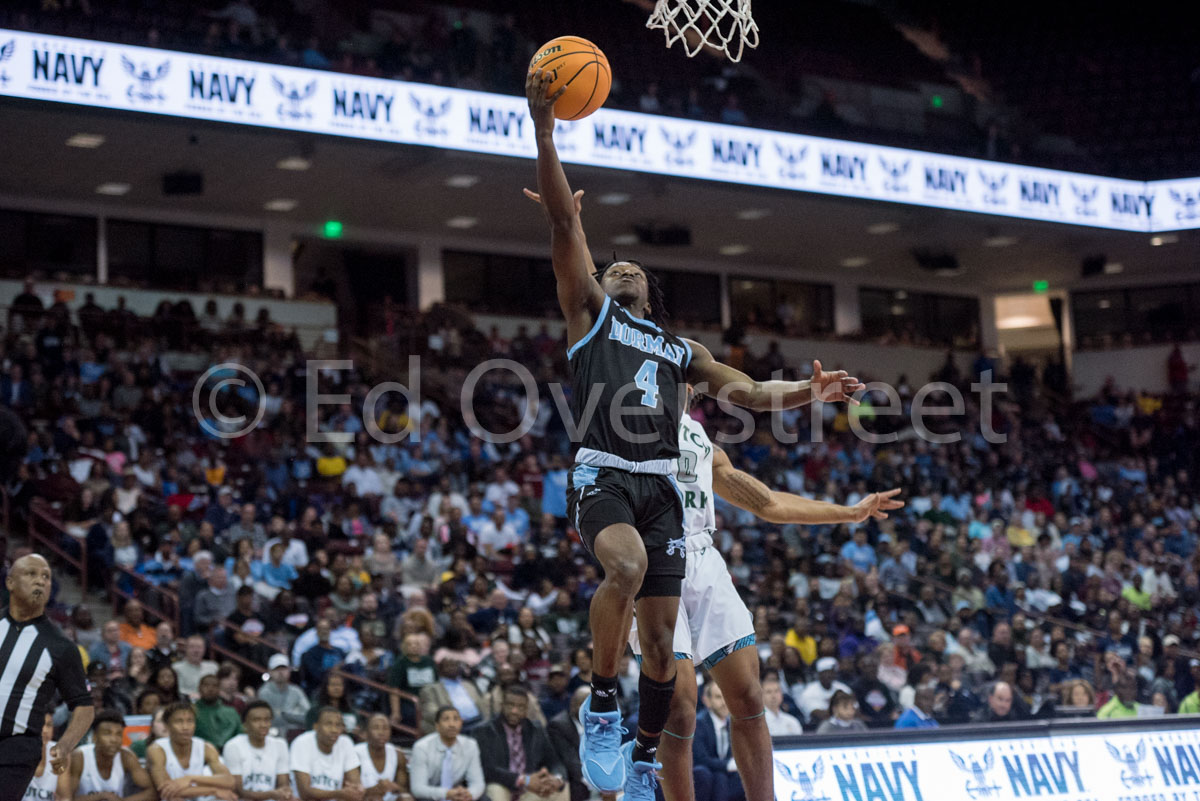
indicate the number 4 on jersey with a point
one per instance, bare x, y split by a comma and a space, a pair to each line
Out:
647, 381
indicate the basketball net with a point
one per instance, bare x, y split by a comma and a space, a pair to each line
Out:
726, 25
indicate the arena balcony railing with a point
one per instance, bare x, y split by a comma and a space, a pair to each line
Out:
407, 733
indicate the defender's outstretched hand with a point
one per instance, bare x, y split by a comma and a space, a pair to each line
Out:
834, 386
876, 505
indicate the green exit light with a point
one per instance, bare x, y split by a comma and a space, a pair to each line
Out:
1041, 287
333, 229
936, 101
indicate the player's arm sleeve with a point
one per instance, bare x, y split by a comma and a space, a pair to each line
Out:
68, 675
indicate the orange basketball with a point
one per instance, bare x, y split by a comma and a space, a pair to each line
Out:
579, 65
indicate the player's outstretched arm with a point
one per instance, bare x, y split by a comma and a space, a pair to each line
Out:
747, 492
721, 381
579, 296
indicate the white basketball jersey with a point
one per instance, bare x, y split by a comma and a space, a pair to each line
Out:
196, 765
694, 474
90, 780
42, 788
369, 776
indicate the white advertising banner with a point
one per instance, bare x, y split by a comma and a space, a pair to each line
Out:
1122, 765
113, 76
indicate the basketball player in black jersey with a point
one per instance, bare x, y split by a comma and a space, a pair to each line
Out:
629, 376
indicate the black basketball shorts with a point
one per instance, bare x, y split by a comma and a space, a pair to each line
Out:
598, 497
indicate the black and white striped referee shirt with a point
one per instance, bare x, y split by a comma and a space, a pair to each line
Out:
36, 660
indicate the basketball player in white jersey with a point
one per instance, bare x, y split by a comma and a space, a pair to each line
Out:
383, 769
103, 766
42, 785
258, 762
714, 628
183, 765
324, 763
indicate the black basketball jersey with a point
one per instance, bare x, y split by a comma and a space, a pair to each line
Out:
636, 370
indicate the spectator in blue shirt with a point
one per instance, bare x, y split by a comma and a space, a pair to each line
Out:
277, 573
517, 517
1000, 598
858, 553
920, 714
554, 488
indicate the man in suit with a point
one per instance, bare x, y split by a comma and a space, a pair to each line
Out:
450, 690
445, 766
519, 763
714, 772
564, 731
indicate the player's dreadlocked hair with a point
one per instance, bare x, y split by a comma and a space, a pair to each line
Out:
658, 304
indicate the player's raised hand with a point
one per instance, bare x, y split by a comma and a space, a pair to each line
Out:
536, 198
834, 386
876, 505
541, 108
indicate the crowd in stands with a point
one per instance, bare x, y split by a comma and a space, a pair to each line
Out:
470, 45
1054, 572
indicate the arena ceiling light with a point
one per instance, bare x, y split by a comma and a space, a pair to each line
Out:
85, 140
855, 261
613, 198
733, 250
462, 222
753, 214
625, 239
999, 241
113, 188
462, 181
1163, 239
281, 204
1113, 268
294, 164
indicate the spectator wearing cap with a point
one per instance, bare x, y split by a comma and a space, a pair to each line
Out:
905, 654
1190, 705
1123, 704
288, 702
920, 714
518, 759
556, 696
106, 693
222, 514
814, 697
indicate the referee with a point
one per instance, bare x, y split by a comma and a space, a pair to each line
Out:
35, 661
